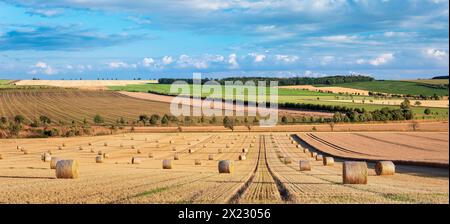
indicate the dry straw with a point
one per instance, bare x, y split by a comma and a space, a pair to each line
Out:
287, 160
305, 165
211, 157
354, 173
54, 161
167, 164
328, 161
198, 162
99, 159
150, 155
176, 157
136, 160
242, 157
319, 158
385, 168
67, 169
226, 166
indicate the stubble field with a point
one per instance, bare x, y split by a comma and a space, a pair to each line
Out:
263, 177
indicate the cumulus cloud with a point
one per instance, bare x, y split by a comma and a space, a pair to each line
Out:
167, 60
258, 57
435, 53
45, 12
185, 61
147, 62
286, 58
43, 68
120, 65
232, 61
382, 59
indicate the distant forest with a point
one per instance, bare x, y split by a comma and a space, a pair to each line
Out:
329, 80
441, 77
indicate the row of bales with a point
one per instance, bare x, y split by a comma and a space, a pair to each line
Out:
353, 172
69, 169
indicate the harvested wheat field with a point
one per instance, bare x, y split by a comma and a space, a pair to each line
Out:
264, 176
73, 104
430, 148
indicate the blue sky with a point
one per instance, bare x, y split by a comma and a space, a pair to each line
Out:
388, 39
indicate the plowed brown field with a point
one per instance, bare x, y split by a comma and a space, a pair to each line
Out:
262, 178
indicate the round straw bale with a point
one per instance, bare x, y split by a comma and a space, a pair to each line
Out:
305, 150
92, 151
99, 159
328, 161
121, 145
136, 160
287, 160
174, 149
244, 150
157, 141
211, 157
167, 164
293, 142
319, 158
25, 152
80, 148
313, 154
89, 144
354, 173
59, 148
46, 157
99, 153
138, 151
190, 150
172, 141
131, 138
1, 157
198, 162
105, 155
228, 146
385, 168
176, 157
150, 155
67, 169
226, 166
242, 157
105, 144
54, 161
280, 156
252, 145
63, 144
305, 165
205, 145
299, 146
49, 151
132, 147
219, 151
189, 143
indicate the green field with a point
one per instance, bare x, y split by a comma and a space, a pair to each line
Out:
297, 96
396, 87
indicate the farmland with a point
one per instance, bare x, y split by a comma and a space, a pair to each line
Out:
68, 105
26, 179
286, 95
397, 87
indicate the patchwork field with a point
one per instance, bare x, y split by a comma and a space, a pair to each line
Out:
340, 90
264, 177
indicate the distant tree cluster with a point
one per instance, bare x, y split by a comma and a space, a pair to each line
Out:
329, 80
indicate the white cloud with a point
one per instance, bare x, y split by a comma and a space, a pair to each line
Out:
232, 60
46, 12
43, 68
258, 57
286, 58
185, 61
118, 64
435, 53
327, 59
167, 60
340, 38
382, 59
360, 61
147, 62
